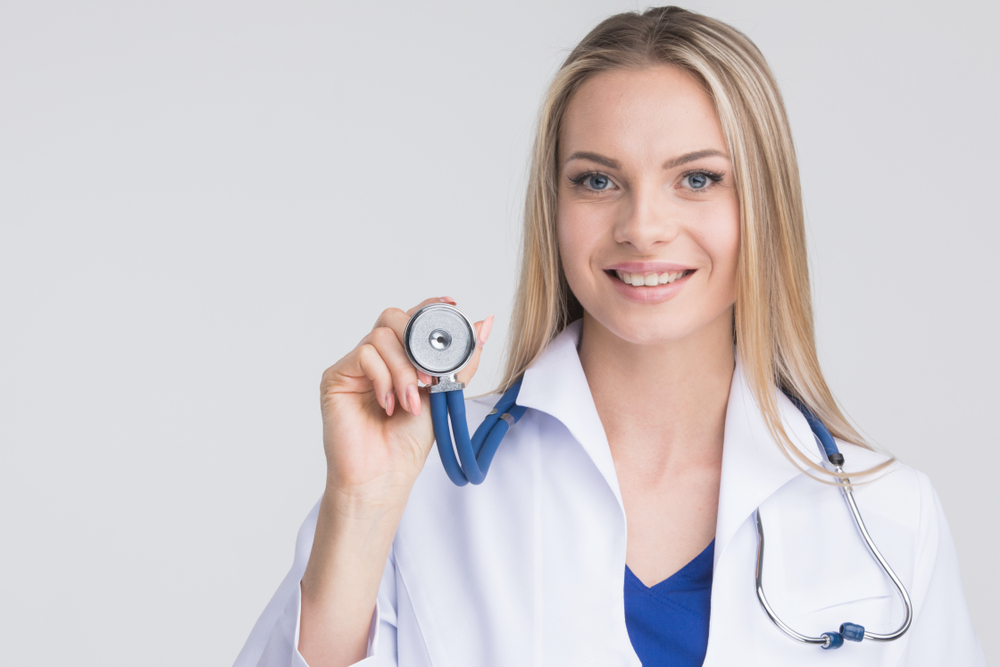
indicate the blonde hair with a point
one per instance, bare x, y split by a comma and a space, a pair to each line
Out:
773, 319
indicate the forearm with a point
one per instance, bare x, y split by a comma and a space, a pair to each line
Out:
341, 582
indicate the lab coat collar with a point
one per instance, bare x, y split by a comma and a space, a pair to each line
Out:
556, 384
753, 467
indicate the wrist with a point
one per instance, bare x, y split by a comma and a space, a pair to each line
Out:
373, 502
352, 540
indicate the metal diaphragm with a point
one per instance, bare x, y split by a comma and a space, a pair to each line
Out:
439, 339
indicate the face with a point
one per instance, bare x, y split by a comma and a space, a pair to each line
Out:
647, 215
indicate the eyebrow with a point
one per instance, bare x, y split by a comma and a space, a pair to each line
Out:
669, 164
593, 157
691, 157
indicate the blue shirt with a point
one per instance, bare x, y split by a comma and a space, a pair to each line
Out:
668, 623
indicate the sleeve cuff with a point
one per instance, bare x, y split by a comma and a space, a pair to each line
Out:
373, 634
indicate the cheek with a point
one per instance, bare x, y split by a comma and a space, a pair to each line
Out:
725, 250
573, 237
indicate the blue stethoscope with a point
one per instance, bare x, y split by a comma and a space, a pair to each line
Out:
440, 340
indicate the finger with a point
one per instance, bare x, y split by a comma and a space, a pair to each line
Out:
370, 363
483, 330
427, 302
404, 375
395, 320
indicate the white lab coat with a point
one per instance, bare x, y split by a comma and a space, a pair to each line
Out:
528, 568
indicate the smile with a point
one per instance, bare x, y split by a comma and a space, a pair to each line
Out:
650, 279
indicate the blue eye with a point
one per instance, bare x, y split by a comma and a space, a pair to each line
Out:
698, 181
598, 182
592, 181
701, 180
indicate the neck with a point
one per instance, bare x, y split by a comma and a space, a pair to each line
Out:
661, 403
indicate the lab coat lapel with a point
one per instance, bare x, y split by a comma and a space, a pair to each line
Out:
556, 384
753, 467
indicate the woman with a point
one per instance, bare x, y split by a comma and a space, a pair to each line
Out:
662, 322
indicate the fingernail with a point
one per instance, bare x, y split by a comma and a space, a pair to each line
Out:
413, 399
403, 397
448, 299
484, 332
389, 402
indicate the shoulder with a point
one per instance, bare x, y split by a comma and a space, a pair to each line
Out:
898, 482
899, 491
901, 505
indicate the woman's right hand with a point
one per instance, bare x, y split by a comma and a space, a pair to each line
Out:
377, 429
377, 433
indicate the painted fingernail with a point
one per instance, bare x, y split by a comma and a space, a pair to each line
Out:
448, 299
402, 399
484, 332
413, 399
389, 403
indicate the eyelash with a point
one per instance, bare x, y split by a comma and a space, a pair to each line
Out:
713, 176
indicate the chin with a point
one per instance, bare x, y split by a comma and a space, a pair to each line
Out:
672, 325
647, 331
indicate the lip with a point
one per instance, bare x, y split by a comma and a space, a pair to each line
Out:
648, 267
657, 294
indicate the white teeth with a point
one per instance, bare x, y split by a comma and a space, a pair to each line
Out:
648, 279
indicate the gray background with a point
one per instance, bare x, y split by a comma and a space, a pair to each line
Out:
203, 205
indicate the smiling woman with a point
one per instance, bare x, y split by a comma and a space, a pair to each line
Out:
692, 105
671, 224
670, 389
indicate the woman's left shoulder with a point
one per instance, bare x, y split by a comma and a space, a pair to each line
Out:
901, 506
897, 490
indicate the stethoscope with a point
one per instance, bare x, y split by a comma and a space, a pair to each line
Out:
440, 340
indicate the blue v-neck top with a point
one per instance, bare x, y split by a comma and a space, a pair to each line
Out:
668, 623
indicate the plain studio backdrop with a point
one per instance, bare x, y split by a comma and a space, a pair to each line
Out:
204, 205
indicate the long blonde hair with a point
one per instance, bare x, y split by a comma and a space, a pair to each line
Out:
773, 318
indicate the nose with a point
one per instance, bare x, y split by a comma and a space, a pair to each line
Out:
646, 221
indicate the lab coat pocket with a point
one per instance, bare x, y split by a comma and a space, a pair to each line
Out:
823, 607
870, 612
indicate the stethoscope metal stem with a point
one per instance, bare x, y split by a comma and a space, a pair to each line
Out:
908, 608
834, 639
805, 639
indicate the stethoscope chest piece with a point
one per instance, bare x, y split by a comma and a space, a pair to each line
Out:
439, 340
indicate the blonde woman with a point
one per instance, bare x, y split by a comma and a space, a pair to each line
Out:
663, 338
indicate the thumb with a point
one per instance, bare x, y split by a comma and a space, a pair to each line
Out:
483, 330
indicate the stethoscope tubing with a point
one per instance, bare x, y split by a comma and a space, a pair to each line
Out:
476, 453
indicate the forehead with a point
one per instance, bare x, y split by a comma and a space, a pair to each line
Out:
640, 116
